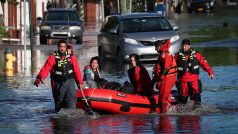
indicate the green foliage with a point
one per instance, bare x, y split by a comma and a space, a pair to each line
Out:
138, 6
3, 32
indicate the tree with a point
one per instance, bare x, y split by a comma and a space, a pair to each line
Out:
3, 32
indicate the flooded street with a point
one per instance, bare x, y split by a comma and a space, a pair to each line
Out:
25, 108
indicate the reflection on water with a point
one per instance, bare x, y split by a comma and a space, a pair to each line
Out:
128, 124
208, 27
146, 124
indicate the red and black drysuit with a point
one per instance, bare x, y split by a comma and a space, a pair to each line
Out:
142, 84
64, 71
188, 74
164, 75
140, 80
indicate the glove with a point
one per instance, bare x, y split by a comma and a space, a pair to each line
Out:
37, 82
80, 86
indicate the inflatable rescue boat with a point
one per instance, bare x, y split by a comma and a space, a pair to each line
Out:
110, 101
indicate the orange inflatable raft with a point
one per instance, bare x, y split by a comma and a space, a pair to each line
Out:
110, 101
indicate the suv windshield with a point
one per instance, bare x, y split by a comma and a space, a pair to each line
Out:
59, 16
130, 25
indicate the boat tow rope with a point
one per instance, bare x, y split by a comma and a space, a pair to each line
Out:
88, 109
84, 98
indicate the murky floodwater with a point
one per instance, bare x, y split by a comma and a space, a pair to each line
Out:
208, 27
27, 109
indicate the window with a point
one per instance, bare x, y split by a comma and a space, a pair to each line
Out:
59, 16
145, 24
111, 25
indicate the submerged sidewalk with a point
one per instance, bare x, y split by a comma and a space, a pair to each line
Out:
91, 30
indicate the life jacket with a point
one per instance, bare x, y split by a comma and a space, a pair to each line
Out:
63, 69
191, 65
159, 69
89, 74
172, 69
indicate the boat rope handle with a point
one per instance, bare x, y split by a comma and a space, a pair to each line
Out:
91, 93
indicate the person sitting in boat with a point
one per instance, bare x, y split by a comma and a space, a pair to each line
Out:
139, 77
92, 77
91, 73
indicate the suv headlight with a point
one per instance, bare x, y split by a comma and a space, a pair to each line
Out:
131, 41
45, 28
74, 28
174, 38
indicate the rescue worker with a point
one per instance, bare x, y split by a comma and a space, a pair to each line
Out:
64, 71
188, 84
164, 73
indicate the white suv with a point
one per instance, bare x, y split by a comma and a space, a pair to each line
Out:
122, 35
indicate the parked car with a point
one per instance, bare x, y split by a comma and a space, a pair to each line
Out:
121, 35
200, 6
61, 23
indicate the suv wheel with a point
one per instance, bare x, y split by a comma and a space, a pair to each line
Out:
43, 40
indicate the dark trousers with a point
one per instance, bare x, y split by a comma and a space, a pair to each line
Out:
192, 89
64, 94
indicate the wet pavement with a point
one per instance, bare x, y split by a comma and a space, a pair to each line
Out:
25, 108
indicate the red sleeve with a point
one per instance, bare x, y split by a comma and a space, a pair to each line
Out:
138, 79
176, 56
76, 69
47, 67
168, 60
137, 73
203, 63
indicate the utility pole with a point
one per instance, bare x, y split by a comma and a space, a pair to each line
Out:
118, 6
166, 8
146, 6
81, 8
31, 31
24, 34
103, 15
123, 6
130, 6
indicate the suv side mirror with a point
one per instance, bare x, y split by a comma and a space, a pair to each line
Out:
113, 31
175, 28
